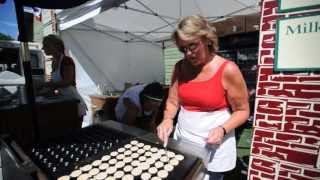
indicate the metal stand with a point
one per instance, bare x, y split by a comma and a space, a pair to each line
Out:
26, 61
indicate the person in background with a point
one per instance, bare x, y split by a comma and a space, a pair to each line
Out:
210, 93
63, 75
138, 105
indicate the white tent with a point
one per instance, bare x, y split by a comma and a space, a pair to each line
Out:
118, 41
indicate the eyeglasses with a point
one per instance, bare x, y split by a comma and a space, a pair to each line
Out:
192, 47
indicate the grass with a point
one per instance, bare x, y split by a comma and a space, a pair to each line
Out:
243, 153
244, 143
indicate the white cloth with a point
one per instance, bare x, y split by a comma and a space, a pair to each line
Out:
69, 91
195, 126
8, 77
133, 94
11, 78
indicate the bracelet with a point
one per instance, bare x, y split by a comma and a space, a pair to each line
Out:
224, 130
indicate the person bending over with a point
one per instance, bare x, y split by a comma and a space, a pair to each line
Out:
138, 105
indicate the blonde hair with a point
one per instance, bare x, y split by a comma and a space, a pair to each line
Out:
191, 27
56, 41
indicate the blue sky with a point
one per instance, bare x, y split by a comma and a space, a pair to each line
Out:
8, 21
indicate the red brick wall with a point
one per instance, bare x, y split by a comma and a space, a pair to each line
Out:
286, 136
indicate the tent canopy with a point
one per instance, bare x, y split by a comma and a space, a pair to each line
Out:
149, 20
101, 33
48, 4
115, 42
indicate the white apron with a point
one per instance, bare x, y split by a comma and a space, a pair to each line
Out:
195, 126
69, 91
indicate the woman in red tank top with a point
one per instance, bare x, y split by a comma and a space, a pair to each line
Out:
209, 88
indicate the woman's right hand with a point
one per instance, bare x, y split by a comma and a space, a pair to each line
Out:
164, 130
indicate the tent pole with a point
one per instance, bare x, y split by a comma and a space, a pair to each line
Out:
180, 8
155, 13
145, 12
25, 56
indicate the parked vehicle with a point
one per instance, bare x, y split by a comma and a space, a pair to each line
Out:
10, 58
12, 81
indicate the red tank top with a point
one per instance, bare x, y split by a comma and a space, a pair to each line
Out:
204, 96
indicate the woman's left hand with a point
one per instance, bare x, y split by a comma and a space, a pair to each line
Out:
215, 135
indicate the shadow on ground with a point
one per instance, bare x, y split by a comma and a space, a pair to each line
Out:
241, 170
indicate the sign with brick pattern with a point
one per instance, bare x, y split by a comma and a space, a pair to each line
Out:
286, 136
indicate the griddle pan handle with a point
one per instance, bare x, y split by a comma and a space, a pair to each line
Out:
19, 158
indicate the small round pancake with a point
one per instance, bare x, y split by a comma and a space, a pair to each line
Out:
118, 174
144, 166
84, 177
111, 170
136, 171
128, 177
150, 161
179, 157
121, 150
158, 164
101, 176
153, 170
145, 176
120, 164
112, 161
94, 171
155, 156
105, 158
114, 153
147, 147
96, 163
128, 146
127, 159
103, 166
135, 163
170, 154
174, 162
86, 168
168, 167
156, 178
142, 158
140, 151
134, 155
161, 152
75, 173
162, 174
140, 145
120, 156
63, 178
127, 168
134, 148
110, 178
148, 153
164, 159
134, 142
127, 152
154, 149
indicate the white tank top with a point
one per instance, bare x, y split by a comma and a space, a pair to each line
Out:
69, 91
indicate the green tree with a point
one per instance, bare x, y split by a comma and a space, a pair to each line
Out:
5, 37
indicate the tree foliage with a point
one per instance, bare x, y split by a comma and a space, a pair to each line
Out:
5, 37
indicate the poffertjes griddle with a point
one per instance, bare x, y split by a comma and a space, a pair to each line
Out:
98, 152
